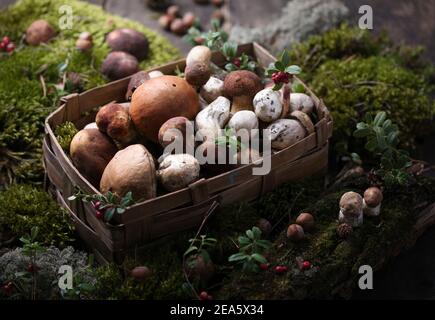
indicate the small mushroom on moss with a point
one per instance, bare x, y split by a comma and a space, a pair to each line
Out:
241, 86
130, 41
136, 80
165, 21
212, 89
131, 169
301, 102
285, 132
265, 226
178, 27
173, 11
189, 19
119, 65
40, 31
372, 201
295, 233
351, 209
141, 273
84, 42
177, 171
306, 221
267, 105
115, 120
91, 151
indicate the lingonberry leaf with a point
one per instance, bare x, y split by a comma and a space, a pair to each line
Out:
277, 86
293, 69
280, 66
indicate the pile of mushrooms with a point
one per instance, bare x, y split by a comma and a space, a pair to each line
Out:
128, 147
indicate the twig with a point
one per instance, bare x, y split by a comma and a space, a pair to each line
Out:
44, 88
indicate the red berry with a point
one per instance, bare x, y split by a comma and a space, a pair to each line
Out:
2, 45
32, 268
306, 264
99, 214
97, 205
209, 297
10, 47
203, 295
264, 266
6, 40
8, 288
237, 62
281, 269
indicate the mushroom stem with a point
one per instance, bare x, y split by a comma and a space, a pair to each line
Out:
241, 103
353, 220
371, 211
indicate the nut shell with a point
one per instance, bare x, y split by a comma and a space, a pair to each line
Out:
131, 169
160, 99
129, 40
91, 151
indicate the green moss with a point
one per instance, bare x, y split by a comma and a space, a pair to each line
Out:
65, 133
23, 207
23, 107
355, 73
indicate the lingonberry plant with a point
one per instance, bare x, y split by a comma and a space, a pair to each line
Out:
214, 38
251, 250
281, 71
382, 140
105, 205
235, 62
199, 247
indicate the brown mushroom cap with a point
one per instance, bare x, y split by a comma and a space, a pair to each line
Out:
351, 203
160, 99
197, 73
40, 31
129, 40
304, 119
136, 80
106, 114
179, 125
306, 221
295, 232
118, 65
91, 151
373, 197
242, 83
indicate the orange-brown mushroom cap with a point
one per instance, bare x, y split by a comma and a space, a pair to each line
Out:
373, 197
242, 83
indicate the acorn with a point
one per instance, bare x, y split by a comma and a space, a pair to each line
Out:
119, 65
141, 273
306, 221
295, 233
40, 31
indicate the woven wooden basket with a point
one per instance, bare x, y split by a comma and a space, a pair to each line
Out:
181, 210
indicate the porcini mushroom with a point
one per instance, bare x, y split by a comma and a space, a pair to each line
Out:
131, 169
212, 89
177, 171
40, 31
241, 86
304, 120
351, 209
372, 201
176, 130
243, 120
136, 80
130, 41
198, 70
285, 132
267, 105
119, 65
160, 99
301, 102
213, 118
91, 151
84, 42
115, 120
155, 74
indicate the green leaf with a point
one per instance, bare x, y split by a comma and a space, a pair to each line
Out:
72, 198
361, 125
298, 87
109, 214
250, 234
380, 118
243, 241
279, 66
285, 58
277, 87
190, 250
120, 210
257, 232
293, 69
259, 258
356, 158
361, 133
237, 257
265, 244
371, 145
